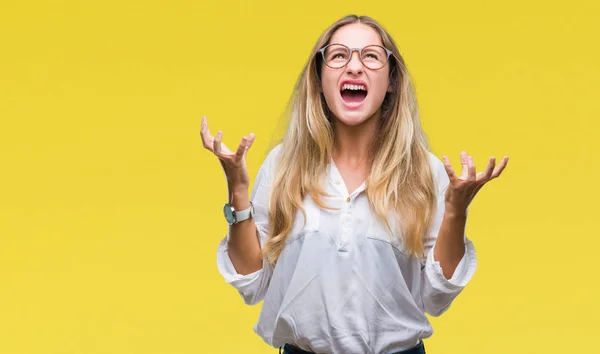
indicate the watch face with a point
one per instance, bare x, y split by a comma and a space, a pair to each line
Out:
229, 213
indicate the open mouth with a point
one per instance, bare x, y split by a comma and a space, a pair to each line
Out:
353, 94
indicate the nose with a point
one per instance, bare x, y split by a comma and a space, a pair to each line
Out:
355, 65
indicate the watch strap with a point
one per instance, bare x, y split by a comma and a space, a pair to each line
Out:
245, 214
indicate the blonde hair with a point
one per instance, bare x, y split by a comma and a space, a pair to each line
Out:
399, 177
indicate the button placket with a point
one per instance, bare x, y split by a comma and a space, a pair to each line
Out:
346, 226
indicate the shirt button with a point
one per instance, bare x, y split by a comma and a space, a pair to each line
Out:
348, 199
338, 182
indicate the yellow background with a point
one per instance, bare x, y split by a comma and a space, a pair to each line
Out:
111, 212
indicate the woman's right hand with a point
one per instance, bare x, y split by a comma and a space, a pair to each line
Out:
234, 163
243, 247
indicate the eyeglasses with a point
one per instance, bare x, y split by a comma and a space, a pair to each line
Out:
337, 55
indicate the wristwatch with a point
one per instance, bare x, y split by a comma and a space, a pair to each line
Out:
233, 216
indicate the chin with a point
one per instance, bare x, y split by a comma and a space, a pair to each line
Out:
352, 121
352, 118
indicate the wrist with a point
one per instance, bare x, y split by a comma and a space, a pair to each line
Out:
239, 199
454, 211
237, 188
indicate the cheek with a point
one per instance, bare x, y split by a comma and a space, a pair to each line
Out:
325, 77
328, 86
381, 87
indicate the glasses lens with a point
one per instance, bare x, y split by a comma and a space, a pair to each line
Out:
336, 55
374, 57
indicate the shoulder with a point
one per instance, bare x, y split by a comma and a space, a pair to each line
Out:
273, 154
438, 171
271, 159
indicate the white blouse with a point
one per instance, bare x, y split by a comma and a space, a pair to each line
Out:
342, 284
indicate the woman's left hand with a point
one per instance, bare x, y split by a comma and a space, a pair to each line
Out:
463, 188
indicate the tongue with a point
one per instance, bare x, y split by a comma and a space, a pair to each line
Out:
353, 96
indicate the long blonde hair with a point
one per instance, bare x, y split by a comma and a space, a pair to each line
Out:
399, 177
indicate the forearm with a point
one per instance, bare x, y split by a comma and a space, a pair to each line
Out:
243, 246
450, 245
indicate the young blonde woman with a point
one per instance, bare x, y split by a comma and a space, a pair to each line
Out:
353, 230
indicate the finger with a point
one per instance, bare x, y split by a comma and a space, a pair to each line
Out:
449, 169
471, 167
239, 154
464, 161
478, 188
207, 139
251, 137
217, 143
487, 173
245, 145
501, 166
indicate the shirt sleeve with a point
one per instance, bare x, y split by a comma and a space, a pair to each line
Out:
438, 293
252, 287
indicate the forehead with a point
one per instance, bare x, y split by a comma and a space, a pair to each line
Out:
356, 35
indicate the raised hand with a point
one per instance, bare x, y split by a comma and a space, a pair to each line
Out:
463, 188
234, 163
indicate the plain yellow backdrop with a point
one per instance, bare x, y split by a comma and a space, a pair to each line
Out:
111, 212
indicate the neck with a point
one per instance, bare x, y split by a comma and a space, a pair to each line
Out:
351, 143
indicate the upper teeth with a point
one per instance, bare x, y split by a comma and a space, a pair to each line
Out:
354, 87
